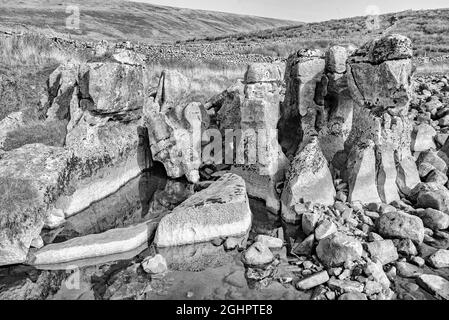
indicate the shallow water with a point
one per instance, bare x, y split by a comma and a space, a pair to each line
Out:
202, 268
146, 197
201, 271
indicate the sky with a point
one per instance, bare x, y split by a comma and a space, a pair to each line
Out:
304, 10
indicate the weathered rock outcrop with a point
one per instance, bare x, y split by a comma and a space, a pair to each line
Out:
250, 113
175, 127
103, 102
303, 70
379, 80
220, 211
309, 179
31, 179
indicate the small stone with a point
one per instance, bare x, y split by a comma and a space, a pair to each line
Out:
428, 232
217, 242
372, 214
345, 274
383, 250
154, 265
307, 264
407, 270
341, 196
231, 243
353, 296
305, 247
309, 221
375, 270
437, 177
307, 272
37, 242
372, 287
325, 229
270, 242
335, 271
386, 208
433, 219
330, 295
435, 285
418, 261
357, 206
347, 213
391, 273
372, 236
189, 294
373, 206
313, 281
257, 254
405, 247
345, 285
440, 259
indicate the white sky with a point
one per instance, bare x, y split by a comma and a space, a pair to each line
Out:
303, 10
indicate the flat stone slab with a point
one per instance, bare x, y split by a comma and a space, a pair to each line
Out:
221, 210
435, 285
95, 189
95, 245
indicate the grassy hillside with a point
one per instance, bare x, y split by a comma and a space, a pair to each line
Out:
126, 20
428, 29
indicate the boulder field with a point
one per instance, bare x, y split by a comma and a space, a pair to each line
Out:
351, 155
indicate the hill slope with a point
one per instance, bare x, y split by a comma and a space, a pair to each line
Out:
428, 29
126, 20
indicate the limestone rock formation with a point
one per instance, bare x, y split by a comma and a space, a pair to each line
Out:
31, 179
175, 127
103, 102
308, 179
220, 211
379, 80
253, 118
303, 70
362, 176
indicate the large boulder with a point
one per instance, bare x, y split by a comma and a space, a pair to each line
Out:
337, 249
434, 284
113, 88
401, 225
433, 219
432, 195
221, 210
422, 138
309, 178
31, 179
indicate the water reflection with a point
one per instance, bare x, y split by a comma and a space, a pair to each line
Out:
151, 182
